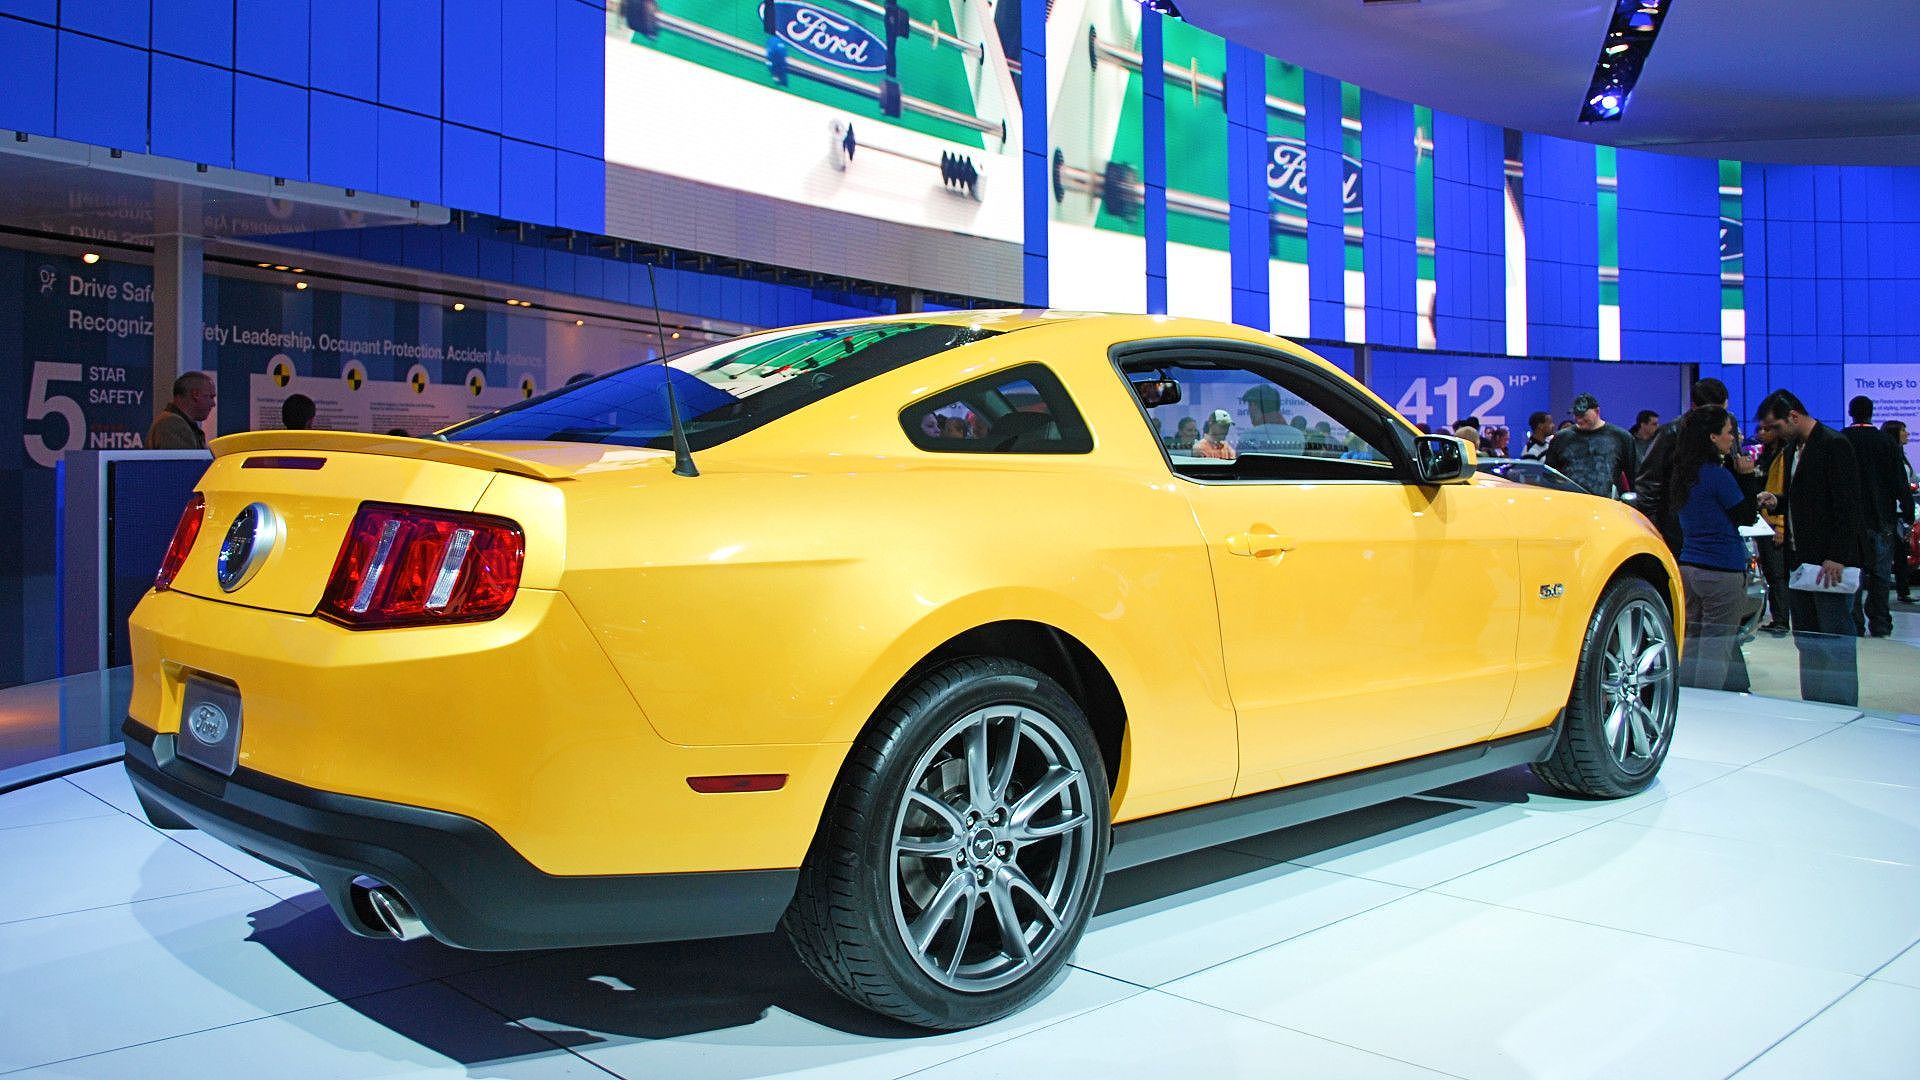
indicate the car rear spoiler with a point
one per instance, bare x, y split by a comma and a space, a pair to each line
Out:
348, 442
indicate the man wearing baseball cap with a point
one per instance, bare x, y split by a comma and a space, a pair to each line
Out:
1214, 443
1267, 428
1593, 453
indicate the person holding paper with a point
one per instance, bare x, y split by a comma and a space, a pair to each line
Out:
1826, 537
1709, 506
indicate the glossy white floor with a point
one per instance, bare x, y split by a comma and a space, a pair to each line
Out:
1755, 913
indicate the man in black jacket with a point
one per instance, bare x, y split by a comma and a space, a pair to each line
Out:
1826, 527
1650, 483
1883, 481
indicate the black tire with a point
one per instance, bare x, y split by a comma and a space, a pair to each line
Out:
862, 894
1619, 723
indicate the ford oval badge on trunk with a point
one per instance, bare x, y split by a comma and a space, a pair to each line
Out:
250, 539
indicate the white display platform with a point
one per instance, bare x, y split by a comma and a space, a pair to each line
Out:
1755, 913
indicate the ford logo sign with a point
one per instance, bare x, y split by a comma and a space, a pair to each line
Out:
252, 537
1287, 174
208, 723
828, 36
1733, 239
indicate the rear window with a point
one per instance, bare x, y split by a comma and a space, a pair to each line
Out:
723, 390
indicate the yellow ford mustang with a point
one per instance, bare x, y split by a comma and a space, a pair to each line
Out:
895, 634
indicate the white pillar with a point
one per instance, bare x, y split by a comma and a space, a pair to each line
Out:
179, 268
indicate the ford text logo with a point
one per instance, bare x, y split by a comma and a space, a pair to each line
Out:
827, 36
1287, 174
208, 723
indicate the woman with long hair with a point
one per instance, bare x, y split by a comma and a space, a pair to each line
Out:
1713, 560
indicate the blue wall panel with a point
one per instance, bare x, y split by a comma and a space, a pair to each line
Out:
272, 38
197, 29
1153, 135
529, 28
102, 93
470, 33
408, 162
580, 185
27, 78
192, 111
341, 153
116, 20
345, 52
526, 181
46, 11
470, 169
410, 55
1388, 210
580, 97
1326, 215
269, 127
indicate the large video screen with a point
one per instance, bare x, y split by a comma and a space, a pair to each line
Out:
1096, 236
1199, 264
903, 110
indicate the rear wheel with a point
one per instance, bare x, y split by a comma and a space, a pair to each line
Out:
1626, 692
962, 850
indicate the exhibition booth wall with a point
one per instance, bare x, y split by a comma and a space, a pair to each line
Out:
1089, 153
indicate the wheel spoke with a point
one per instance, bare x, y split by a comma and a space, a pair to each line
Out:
966, 932
1029, 833
947, 814
1013, 938
1624, 637
942, 847
979, 766
1616, 730
1017, 878
939, 909
1001, 774
1049, 787
1651, 663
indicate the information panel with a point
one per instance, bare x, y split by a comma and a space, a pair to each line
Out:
1096, 236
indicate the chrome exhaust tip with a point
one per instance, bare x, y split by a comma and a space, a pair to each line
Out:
389, 909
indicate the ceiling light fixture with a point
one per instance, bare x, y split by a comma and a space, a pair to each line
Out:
457, 306
90, 258
1623, 53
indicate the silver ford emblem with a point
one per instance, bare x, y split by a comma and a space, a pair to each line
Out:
208, 723
249, 540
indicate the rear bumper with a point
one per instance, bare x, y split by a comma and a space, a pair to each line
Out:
467, 884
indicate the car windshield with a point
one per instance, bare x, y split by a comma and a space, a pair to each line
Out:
722, 390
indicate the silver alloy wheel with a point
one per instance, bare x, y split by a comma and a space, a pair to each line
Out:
1639, 681
991, 848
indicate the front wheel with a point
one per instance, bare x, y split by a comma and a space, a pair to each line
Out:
962, 851
1626, 692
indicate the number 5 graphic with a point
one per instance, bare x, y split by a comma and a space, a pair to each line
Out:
40, 405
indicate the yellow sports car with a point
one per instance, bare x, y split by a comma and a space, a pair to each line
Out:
895, 634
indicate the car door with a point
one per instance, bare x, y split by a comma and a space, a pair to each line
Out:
1364, 619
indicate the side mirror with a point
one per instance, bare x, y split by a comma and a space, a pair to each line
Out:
1154, 392
1443, 459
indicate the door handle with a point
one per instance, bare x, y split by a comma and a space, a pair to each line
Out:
1259, 545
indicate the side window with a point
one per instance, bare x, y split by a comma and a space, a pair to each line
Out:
1022, 410
1261, 422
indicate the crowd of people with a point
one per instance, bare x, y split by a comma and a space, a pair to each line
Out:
1840, 504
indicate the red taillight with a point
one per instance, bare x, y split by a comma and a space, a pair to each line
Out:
404, 566
183, 537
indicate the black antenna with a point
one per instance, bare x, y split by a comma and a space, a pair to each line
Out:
682, 456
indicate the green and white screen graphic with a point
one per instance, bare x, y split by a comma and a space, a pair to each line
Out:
1287, 199
1426, 291
1607, 201
910, 117
1733, 266
1199, 265
1096, 238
